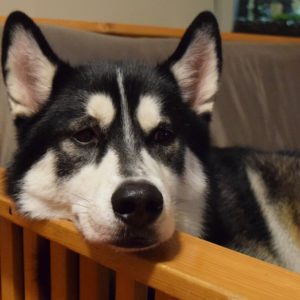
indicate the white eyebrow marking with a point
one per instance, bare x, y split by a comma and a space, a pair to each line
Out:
100, 107
149, 112
127, 125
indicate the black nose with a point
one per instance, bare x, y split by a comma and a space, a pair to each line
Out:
137, 203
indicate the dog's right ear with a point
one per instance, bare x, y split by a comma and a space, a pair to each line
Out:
28, 65
197, 62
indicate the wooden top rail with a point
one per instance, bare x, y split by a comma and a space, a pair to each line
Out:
154, 31
185, 267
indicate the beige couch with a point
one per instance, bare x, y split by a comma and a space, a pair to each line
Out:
258, 103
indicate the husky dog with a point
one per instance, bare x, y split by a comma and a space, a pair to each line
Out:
123, 150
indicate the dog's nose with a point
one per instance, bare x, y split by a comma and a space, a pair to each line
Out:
137, 203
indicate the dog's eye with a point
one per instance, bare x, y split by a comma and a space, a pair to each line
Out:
163, 136
85, 136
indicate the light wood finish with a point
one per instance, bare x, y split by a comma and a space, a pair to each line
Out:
185, 267
154, 31
63, 273
258, 38
111, 28
93, 279
128, 289
11, 261
31, 248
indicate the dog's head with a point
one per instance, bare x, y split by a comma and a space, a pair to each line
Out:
114, 147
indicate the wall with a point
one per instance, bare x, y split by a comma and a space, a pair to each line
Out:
224, 10
170, 13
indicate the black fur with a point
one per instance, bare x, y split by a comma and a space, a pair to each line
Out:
232, 212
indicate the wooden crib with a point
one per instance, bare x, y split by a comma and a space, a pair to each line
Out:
184, 268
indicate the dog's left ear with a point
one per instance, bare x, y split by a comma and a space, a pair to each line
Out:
28, 65
197, 62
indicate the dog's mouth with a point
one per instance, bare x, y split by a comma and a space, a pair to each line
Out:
132, 239
120, 236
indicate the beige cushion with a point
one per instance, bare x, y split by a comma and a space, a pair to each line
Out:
259, 100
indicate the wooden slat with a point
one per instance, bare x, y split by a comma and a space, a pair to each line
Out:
162, 296
155, 31
141, 291
125, 287
63, 273
30, 245
128, 289
93, 279
185, 267
11, 261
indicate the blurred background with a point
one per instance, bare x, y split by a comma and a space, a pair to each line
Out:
166, 13
276, 17
254, 16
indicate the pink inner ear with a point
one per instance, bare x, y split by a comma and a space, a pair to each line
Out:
197, 71
30, 72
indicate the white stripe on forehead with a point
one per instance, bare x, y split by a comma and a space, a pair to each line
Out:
126, 122
100, 107
149, 112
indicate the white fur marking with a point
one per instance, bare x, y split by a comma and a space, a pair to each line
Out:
85, 197
191, 197
205, 108
30, 73
18, 109
92, 189
127, 126
148, 113
100, 107
282, 241
41, 197
166, 182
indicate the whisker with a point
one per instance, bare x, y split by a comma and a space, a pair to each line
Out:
82, 205
80, 196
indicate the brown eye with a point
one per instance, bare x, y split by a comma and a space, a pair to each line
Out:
163, 136
85, 136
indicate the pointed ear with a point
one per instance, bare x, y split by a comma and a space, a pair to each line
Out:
28, 65
197, 62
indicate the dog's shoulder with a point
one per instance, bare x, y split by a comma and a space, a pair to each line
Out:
279, 172
273, 176
275, 181
260, 191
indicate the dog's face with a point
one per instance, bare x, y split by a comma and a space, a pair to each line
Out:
114, 147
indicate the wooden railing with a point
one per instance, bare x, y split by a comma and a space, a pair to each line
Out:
183, 268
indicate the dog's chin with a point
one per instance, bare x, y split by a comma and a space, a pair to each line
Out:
127, 239
133, 240
135, 244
